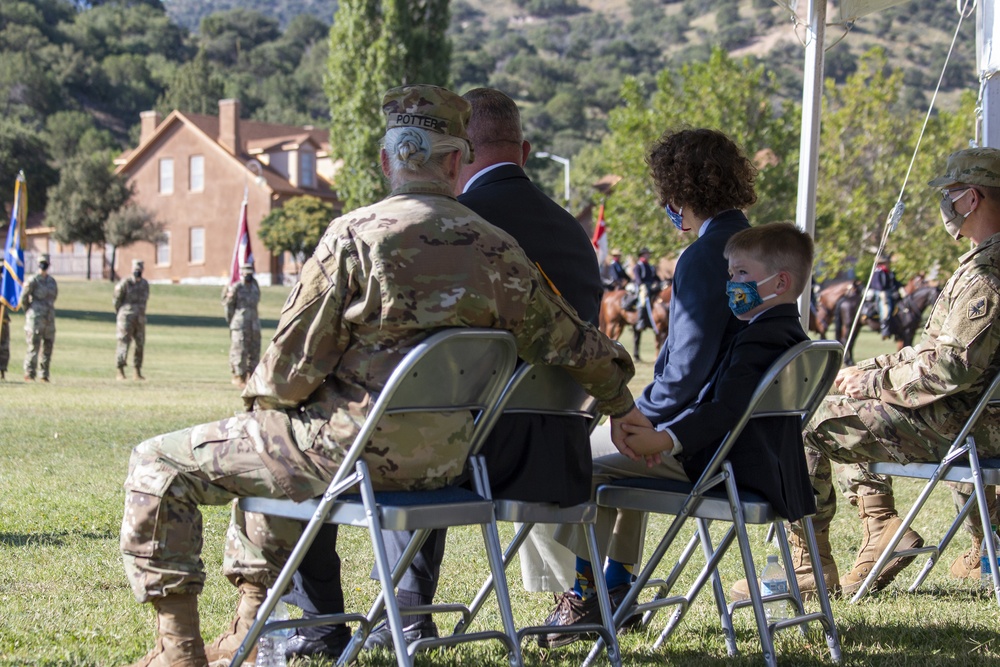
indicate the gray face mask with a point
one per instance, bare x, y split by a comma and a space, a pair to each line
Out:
952, 219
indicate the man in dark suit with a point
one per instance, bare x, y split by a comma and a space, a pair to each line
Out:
537, 458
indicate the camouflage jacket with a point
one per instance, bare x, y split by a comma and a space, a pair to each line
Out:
131, 296
241, 300
39, 301
936, 383
382, 278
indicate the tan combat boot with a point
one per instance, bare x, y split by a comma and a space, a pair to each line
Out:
880, 521
178, 642
968, 565
121, 373
802, 566
225, 645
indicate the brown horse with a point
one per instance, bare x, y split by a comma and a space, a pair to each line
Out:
614, 318
825, 306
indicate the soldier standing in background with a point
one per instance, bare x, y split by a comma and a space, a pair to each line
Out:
39, 300
131, 295
4, 342
240, 300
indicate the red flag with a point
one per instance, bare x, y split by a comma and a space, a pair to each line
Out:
600, 239
242, 253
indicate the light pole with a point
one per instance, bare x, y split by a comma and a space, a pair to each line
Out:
565, 164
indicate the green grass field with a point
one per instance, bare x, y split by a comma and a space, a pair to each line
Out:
64, 450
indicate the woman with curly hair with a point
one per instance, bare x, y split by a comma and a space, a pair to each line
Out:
704, 181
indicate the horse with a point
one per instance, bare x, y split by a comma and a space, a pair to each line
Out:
903, 323
825, 305
614, 318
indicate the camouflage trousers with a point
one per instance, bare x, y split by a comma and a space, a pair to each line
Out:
251, 454
838, 441
244, 350
38, 355
130, 327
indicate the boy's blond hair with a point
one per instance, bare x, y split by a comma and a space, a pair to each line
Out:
779, 246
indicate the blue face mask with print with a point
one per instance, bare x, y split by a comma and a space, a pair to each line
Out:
676, 217
743, 297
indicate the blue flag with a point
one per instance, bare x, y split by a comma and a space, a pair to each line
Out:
12, 278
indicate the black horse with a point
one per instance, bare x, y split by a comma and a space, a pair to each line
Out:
903, 324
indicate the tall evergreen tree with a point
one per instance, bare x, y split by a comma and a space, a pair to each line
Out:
374, 46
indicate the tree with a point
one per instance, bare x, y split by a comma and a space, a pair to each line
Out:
130, 224
195, 88
296, 227
22, 149
375, 46
735, 96
87, 194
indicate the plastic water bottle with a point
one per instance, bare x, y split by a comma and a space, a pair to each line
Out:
985, 571
271, 646
773, 581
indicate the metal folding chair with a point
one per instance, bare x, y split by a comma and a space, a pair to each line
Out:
549, 390
794, 386
452, 370
960, 464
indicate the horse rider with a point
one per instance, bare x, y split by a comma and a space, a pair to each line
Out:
885, 290
617, 275
647, 284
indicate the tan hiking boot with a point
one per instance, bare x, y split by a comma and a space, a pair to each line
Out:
880, 521
225, 645
803, 569
121, 373
178, 642
968, 565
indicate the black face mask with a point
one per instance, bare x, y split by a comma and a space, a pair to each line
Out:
44, 266
137, 274
248, 277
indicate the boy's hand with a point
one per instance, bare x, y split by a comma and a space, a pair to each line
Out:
647, 441
637, 420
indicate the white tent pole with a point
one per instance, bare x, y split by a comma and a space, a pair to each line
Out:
988, 62
812, 97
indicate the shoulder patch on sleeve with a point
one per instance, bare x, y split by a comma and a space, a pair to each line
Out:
978, 308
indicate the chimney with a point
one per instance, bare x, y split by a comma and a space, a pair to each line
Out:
229, 126
149, 121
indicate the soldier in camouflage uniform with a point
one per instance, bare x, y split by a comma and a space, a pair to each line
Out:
4, 341
910, 405
131, 295
39, 301
240, 300
381, 279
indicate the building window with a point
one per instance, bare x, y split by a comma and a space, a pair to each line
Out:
166, 176
307, 174
197, 245
196, 173
163, 250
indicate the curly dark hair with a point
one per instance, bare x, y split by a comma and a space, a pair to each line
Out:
703, 170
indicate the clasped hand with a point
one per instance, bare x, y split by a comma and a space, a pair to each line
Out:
634, 436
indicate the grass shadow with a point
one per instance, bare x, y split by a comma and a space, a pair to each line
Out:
158, 319
52, 539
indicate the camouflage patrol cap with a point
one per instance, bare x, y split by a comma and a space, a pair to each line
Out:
246, 267
975, 166
44, 257
428, 107
137, 264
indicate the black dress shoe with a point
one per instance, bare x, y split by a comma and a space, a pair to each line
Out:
381, 636
330, 644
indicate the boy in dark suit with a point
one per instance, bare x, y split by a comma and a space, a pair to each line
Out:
769, 267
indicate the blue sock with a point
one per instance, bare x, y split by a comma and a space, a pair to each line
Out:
584, 586
618, 574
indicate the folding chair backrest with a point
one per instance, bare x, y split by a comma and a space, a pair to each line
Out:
546, 390
449, 371
794, 386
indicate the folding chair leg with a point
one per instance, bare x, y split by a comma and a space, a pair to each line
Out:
778, 528
984, 517
604, 601
491, 538
477, 603
725, 618
935, 555
829, 626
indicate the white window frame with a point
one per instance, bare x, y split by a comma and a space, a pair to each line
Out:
196, 173
163, 250
196, 247
166, 166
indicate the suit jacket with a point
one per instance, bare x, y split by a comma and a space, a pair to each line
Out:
534, 457
768, 456
701, 324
